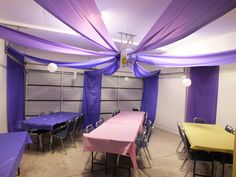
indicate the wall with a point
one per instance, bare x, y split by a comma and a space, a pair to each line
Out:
3, 114
226, 110
171, 102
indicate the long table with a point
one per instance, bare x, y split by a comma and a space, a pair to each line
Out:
117, 135
48, 121
209, 137
11, 151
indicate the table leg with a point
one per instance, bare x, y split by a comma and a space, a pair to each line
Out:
92, 162
106, 154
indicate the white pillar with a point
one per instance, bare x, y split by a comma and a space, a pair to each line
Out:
3, 83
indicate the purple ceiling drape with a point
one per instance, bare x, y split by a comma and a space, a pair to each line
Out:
15, 91
140, 72
79, 65
202, 94
226, 57
82, 16
31, 41
182, 18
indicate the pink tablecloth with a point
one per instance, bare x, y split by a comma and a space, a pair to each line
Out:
117, 135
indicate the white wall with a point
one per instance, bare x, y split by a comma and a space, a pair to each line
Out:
226, 107
171, 102
3, 114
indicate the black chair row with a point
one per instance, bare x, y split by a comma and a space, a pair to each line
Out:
71, 128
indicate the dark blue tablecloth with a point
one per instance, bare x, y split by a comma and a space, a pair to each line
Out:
46, 122
12, 147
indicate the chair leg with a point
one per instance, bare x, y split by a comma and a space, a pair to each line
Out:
223, 169
63, 145
147, 158
72, 139
18, 171
179, 145
149, 154
212, 168
194, 167
38, 142
182, 165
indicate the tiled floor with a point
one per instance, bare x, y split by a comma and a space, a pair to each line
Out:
164, 161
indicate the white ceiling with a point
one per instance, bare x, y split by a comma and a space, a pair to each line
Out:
130, 16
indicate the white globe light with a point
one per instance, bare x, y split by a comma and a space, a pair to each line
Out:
126, 78
52, 67
187, 82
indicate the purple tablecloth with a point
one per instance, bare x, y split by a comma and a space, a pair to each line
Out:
46, 122
12, 147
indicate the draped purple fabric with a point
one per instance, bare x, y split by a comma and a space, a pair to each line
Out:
226, 57
91, 97
79, 65
182, 18
31, 41
92, 92
149, 96
82, 16
140, 72
15, 91
202, 94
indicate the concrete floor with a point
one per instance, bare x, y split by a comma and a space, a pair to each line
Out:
165, 161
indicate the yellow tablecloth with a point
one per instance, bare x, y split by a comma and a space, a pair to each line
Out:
209, 137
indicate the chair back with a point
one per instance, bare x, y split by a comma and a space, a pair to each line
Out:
89, 128
229, 129
186, 143
100, 122
65, 130
71, 125
135, 109
148, 131
79, 122
199, 120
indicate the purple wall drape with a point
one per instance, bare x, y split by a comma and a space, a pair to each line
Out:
202, 94
91, 97
149, 96
15, 91
92, 92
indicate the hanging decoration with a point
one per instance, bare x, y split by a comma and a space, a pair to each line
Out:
187, 82
52, 67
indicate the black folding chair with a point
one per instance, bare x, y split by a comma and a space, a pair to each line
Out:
229, 129
197, 155
199, 120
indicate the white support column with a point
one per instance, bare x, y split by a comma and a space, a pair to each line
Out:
3, 83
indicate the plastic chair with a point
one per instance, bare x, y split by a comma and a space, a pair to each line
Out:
197, 155
199, 120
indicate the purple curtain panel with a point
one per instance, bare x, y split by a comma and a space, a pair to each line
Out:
202, 94
149, 96
15, 91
